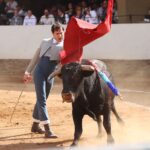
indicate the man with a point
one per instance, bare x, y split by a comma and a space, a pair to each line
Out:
30, 19
45, 59
3, 17
147, 17
47, 19
62, 17
10, 7
2, 7
102, 11
91, 16
16, 19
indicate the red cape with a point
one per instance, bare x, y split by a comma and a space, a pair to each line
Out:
79, 33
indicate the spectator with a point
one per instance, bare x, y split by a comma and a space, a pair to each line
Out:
91, 16
21, 12
62, 17
70, 10
78, 13
147, 17
53, 11
84, 6
102, 11
30, 19
2, 7
115, 16
3, 17
16, 19
10, 7
47, 19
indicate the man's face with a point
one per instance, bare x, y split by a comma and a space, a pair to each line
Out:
104, 5
46, 12
29, 13
58, 35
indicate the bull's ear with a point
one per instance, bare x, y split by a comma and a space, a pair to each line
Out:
87, 70
87, 73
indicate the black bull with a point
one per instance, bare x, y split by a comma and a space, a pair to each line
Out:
89, 96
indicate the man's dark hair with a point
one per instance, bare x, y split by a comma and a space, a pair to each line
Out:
56, 27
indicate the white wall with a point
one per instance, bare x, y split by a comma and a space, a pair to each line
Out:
125, 41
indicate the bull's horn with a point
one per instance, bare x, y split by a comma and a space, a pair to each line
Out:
87, 67
56, 72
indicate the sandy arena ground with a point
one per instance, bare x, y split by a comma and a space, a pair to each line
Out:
134, 109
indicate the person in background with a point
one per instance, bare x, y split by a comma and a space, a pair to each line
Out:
11, 5
2, 7
70, 10
78, 13
44, 61
147, 17
115, 17
102, 11
91, 16
62, 17
3, 18
47, 19
21, 12
84, 6
16, 19
30, 19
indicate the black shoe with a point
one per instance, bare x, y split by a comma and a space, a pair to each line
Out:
36, 128
49, 134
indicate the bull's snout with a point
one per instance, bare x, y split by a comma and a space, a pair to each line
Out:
67, 97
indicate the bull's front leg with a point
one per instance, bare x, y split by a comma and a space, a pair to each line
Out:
107, 124
77, 118
99, 123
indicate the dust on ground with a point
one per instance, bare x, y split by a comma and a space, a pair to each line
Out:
133, 75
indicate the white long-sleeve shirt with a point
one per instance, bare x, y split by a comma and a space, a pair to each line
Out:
29, 21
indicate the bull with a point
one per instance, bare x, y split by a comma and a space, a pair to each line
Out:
89, 95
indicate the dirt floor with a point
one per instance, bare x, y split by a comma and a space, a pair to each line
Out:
132, 78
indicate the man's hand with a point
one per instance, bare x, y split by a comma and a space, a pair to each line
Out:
27, 78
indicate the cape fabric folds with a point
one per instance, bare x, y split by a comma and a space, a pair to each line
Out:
79, 33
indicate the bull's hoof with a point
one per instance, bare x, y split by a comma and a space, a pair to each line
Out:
74, 145
121, 122
110, 140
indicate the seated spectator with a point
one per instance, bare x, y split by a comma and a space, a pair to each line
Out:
78, 13
21, 12
2, 7
3, 18
47, 19
147, 17
70, 10
16, 19
30, 19
83, 6
10, 7
62, 17
102, 11
91, 16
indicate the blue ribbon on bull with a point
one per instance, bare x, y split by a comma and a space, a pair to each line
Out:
109, 83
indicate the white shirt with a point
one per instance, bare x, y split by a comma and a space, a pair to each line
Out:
11, 5
55, 48
92, 18
29, 21
47, 20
